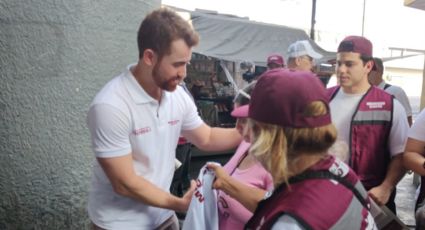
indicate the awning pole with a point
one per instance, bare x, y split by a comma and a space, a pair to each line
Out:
422, 104
313, 20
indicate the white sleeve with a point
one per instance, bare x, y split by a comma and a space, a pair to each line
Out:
399, 129
401, 96
192, 120
286, 222
417, 131
109, 129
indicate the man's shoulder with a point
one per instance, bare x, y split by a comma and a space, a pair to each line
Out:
380, 93
331, 91
394, 90
112, 93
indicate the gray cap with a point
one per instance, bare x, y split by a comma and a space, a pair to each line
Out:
301, 48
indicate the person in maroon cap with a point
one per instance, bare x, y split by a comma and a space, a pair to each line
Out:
369, 122
275, 61
290, 136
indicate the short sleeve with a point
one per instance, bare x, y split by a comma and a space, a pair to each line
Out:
191, 118
399, 129
109, 129
401, 96
286, 222
417, 131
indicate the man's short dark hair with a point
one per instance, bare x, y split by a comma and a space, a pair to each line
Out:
160, 28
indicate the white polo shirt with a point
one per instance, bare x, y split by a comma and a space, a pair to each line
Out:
124, 119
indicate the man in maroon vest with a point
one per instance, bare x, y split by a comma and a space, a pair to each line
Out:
369, 122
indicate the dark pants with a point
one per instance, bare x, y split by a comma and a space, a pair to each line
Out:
181, 179
391, 202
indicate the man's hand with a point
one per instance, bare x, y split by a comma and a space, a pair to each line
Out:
380, 194
187, 198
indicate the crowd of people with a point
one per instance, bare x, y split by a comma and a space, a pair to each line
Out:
307, 156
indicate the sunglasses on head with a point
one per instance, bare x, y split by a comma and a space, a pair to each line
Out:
346, 46
243, 93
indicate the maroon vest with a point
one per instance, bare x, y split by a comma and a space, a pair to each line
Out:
369, 154
316, 203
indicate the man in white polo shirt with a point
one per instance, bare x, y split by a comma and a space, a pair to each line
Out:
135, 122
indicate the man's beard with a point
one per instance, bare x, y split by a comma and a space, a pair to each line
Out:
167, 85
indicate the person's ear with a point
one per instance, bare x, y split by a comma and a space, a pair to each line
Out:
149, 57
369, 65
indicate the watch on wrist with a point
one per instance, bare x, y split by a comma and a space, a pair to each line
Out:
269, 193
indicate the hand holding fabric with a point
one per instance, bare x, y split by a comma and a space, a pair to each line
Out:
221, 176
380, 194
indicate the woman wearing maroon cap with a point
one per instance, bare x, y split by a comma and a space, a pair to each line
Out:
290, 130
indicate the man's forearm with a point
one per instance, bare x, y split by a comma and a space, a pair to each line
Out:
127, 183
395, 172
148, 193
222, 139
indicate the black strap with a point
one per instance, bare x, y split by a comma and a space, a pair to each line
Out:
386, 86
324, 174
239, 162
334, 90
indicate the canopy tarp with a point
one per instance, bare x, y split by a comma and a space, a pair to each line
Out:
239, 39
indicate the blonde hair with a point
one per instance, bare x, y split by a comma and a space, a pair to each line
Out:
278, 148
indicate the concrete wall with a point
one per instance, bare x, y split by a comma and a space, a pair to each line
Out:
54, 56
410, 80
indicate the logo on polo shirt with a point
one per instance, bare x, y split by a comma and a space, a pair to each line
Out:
375, 104
174, 122
141, 131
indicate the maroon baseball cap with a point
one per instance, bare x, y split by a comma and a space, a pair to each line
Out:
240, 112
275, 58
356, 44
281, 96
